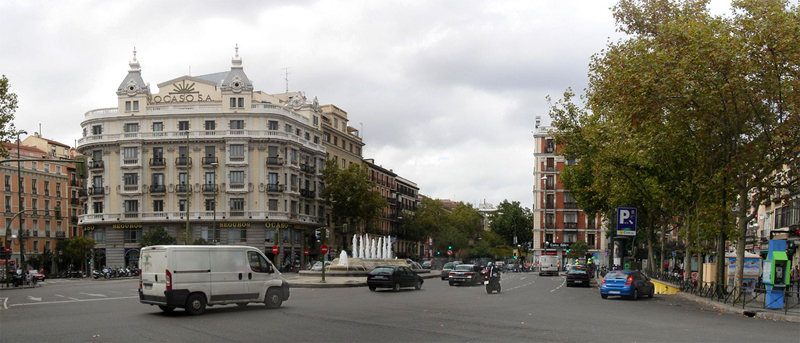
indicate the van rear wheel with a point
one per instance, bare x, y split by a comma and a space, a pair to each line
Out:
273, 299
196, 304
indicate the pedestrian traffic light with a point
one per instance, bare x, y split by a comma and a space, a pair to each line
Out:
515, 254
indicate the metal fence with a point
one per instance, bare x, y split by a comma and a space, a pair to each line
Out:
754, 298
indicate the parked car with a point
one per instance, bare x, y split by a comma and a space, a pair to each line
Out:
393, 277
578, 276
447, 268
36, 275
466, 273
629, 283
426, 264
414, 265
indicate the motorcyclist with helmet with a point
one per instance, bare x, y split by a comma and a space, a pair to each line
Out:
493, 278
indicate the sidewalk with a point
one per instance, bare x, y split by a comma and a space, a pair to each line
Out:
793, 315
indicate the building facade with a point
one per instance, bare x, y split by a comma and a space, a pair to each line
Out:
234, 165
558, 219
35, 200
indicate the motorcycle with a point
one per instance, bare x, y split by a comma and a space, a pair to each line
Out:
122, 271
95, 274
492, 283
16, 278
109, 273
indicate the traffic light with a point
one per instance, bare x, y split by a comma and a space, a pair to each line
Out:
515, 254
449, 246
438, 252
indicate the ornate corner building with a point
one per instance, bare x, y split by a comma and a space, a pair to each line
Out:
208, 152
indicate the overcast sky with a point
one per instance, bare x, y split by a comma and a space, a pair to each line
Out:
444, 92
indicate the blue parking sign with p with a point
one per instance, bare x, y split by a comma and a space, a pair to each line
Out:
626, 221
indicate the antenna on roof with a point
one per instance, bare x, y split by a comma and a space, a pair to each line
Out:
286, 77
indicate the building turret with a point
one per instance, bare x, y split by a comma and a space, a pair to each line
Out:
133, 92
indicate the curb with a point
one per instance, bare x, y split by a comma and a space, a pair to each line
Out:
318, 284
757, 313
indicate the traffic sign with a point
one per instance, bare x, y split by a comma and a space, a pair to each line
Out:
674, 253
449, 252
323, 249
275, 250
305, 252
626, 221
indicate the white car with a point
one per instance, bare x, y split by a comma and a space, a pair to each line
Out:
318, 266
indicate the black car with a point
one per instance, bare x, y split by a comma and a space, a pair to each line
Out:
393, 277
578, 276
466, 274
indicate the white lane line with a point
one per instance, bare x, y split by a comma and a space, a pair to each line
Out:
93, 295
71, 301
5, 300
34, 299
59, 295
563, 281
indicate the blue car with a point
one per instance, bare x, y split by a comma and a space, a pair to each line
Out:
626, 283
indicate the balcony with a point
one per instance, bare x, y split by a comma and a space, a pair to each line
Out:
158, 189
47, 233
96, 190
74, 201
210, 188
74, 183
274, 161
210, 161
158, 162
182, 188
36, 233
26, 233
83, 192
570, 226
73, 220
96, 165
61, 234
274, 187
236, 187
310, 169
308, 193
570, 205
183, 162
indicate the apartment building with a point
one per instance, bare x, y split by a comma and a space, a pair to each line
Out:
234, 165
558, 219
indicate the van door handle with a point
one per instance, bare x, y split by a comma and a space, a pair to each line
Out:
240, 276
249, 276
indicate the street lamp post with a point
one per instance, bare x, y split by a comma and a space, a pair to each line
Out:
188, 186
214, 203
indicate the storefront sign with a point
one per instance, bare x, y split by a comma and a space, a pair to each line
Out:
88, 228
276, 225
234, 225
126, 226
182, 92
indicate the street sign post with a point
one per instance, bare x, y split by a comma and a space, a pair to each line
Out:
626, 221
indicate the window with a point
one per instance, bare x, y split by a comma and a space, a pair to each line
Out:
297, 235
326, 137
237, 179
241, 102
273, 204
131, 206
316, 139
97, 129
183, 125
97, 206
100, 235
237, 235
58, 188
136, 105
335, 140
590, 240
237, 124
272, 125
316, 120
570, 237
8, 183
132, 235
8, 203
237, 102
335, 122
34, 165
210, 234
158, 205
34, 186
22, 205
237, 204
182, 205
130, 153
210, 205
233, 102
237, 153
158, 127
210, 125
131, 127
269, 235
131, 179
127, 106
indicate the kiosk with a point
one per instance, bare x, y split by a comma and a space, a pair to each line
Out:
776, 273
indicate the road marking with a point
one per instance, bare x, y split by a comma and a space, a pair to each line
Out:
34, 299
5, 300
59, 295
93, 295
563, 282
71, 301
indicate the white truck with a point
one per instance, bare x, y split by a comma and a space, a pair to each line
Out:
193, 277
548, 265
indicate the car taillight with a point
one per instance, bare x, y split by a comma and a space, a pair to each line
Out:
629, 281
604, 281
452, 273
468, 273
169, 280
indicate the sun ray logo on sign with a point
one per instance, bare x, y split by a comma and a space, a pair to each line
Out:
626, 221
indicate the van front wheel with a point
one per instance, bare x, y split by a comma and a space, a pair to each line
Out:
273, 298
196, 304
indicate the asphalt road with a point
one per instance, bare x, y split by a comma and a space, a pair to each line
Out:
531, 308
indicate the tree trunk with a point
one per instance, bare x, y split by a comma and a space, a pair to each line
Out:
741, 235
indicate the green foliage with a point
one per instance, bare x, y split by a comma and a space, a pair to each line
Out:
201, 241
352, 196
8, 106
510, 216
578, 249
157, 236
78, 247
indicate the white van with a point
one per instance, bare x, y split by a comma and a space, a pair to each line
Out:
195, 276
548, 265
